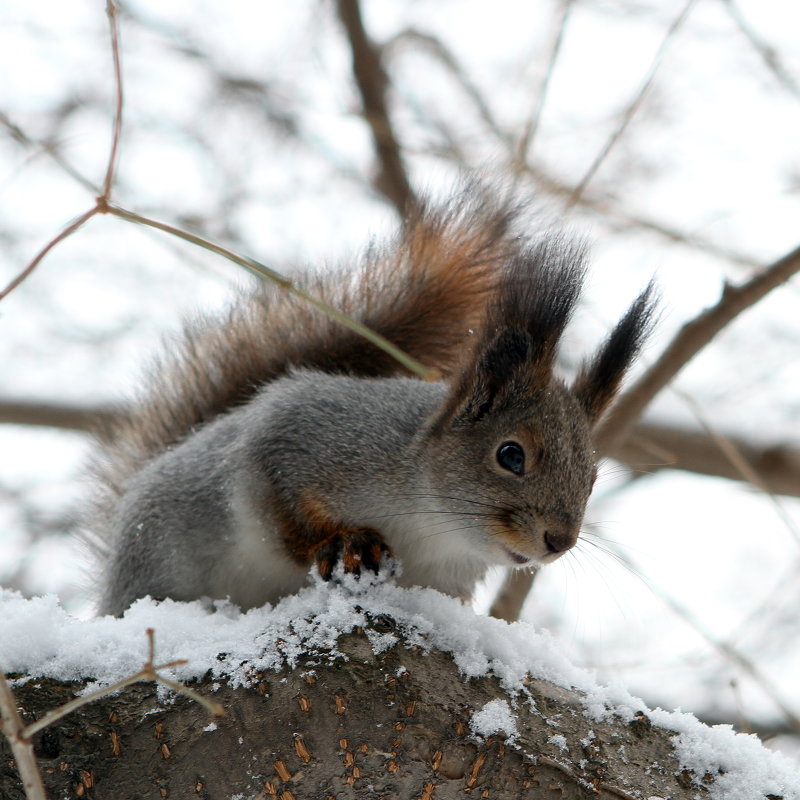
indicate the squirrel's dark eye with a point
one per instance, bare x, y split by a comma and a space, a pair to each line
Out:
511, 456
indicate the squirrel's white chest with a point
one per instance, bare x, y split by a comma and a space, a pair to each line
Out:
437, 552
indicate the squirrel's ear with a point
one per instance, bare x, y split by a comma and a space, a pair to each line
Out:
600, 378
488, 376
524, 322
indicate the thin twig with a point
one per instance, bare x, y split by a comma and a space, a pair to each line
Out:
615, 217
435, 47
689, 341
149, 672
111, 11
728, 651
371, 79
632, 108
736, 457
532, 125
21, 747
366, 65
769, 55
73, 705
68, 231
21, 136
257, 268
263, 271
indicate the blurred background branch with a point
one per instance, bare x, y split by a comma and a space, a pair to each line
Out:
647, 449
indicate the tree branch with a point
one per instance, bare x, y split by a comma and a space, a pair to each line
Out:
21, 747
620, 219
652, 447
689, 341
370, 77
532, 126
56, 415
768, 54
649, 448
612, 214
632, 107
75, 225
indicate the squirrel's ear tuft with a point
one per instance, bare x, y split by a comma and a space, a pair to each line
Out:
600, 378
537, 297
516, 351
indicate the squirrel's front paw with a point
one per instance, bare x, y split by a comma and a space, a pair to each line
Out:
355, 548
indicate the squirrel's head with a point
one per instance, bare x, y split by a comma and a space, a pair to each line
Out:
524, 436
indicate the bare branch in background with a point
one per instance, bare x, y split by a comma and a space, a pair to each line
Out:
111, 11
57, 415
433, 46
769, 54
633, 106
648, 449
620, 219
22, 137
612, 214
111, 167
371, 80
651, 447
532, 126
689, 341
65, 234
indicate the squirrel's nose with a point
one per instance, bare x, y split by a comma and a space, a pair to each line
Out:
559, 541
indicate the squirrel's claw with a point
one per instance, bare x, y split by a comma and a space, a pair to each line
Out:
355, 548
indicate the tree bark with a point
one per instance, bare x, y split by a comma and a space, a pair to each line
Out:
395, 725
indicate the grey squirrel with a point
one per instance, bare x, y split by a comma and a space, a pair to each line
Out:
275, 439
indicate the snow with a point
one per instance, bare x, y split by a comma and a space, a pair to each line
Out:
496, 716
39, 638
718, 749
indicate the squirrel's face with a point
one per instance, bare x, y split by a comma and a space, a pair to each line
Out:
510, 446
519, 477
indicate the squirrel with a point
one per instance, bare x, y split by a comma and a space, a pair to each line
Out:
274, 439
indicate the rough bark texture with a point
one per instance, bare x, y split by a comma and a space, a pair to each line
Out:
389, 726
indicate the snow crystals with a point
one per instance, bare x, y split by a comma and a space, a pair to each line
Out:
38, 638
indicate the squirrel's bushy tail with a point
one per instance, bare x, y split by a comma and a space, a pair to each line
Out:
425, 291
